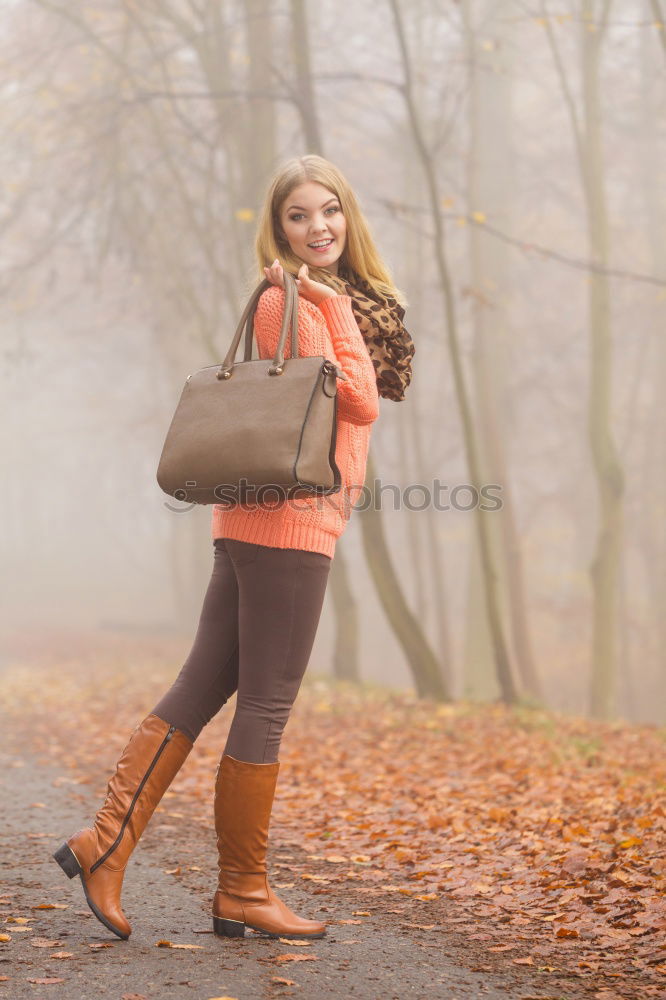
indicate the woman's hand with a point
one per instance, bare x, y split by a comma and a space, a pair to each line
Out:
314, 291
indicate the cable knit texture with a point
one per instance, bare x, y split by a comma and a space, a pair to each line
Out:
314, 523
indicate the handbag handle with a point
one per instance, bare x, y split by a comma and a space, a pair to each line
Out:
289, 317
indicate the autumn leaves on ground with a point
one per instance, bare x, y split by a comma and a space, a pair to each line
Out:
541, 837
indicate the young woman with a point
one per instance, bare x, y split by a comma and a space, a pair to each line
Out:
271, 565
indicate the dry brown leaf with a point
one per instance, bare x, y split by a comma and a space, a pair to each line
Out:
171, 944
295, 958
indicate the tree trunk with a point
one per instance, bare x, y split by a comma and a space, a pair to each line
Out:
489, 169
604, 568
490, 574
409, 632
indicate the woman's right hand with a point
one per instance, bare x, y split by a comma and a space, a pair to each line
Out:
314, 291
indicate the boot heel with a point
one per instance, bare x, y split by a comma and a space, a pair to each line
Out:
66, 858
228, 928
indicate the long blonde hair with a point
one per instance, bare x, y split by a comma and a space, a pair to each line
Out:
360, 252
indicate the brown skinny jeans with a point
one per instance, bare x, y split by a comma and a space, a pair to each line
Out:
255, 635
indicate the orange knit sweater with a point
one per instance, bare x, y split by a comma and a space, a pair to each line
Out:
314, 523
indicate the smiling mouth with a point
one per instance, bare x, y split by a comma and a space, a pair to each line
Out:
321, 246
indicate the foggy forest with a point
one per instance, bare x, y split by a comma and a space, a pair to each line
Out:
508, 162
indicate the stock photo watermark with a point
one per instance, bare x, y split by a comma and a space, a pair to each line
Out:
413, 497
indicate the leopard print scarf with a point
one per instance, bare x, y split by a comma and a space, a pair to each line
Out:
379, 319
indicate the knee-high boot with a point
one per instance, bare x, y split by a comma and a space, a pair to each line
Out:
243, 802
99, 854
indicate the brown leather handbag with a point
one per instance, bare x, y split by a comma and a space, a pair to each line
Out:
255, 430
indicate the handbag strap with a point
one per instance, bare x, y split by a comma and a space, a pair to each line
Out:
289, 319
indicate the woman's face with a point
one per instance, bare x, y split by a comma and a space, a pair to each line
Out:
313, 214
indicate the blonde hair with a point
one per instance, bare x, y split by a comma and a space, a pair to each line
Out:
360, 252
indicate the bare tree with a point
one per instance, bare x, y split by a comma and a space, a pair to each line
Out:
586, 127
489, 193
502, 661
409, 631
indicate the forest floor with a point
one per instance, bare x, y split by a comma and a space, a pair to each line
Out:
454, 851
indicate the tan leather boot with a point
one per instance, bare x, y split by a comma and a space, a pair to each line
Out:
99, 854
243, 802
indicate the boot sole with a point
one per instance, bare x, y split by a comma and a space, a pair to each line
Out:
236, 928
69, 863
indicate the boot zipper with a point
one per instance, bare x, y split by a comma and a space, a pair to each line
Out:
172, 730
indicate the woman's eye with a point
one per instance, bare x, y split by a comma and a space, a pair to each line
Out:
332, 208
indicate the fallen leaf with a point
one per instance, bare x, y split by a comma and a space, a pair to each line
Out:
630, 842
420, 927
101, 944
46, 982
566, 932
50, 906
523, 961
170, 944
295, 958
40, 942
62, 954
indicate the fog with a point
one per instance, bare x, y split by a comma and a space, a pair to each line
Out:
510, 161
